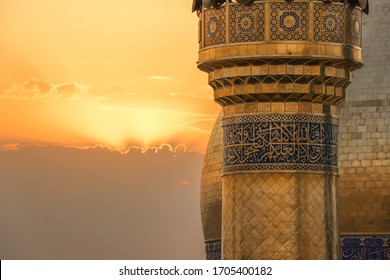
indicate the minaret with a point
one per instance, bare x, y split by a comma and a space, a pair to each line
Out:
279, 69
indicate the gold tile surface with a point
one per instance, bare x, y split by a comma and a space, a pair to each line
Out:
211, 185
279, 216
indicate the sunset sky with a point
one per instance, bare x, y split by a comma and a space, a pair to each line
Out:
86, 88
116, 73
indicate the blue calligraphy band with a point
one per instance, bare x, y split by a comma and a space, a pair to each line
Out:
365, 247
280, 142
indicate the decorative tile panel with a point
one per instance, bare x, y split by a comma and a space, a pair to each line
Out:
213, 250
247, 23
280, 142
289, 21
365, 248
215, 27
354, 27
329, 23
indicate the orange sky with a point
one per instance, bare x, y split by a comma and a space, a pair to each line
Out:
117, 73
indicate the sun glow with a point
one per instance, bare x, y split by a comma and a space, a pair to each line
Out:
37, 112
142, 126
115, 75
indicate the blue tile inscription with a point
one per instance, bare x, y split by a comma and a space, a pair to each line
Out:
365, 248
280, 142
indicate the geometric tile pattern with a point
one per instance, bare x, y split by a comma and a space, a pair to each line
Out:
280, 142
215, 29
247, 23
365, 247
329, 23
289, 21
279, 216
213, 250
354, 26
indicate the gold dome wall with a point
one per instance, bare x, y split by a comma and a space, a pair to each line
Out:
211, 193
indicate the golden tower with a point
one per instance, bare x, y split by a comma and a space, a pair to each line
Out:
279, 69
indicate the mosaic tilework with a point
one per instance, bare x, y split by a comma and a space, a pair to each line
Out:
279, 216
247, 23
280, 142
213, 250
215, 29
354, 25
329, 23
365, 248
289, 21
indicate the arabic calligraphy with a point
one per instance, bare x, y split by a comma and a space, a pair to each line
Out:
280, 142
365, 248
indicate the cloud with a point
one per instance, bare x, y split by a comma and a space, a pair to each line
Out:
42, 86
35, 87
174, 94
160, 78
125, 94
185, 103
174, 149
67, 88
10, 147
202, 125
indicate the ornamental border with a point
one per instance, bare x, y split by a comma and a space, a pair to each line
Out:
275, 167
279, 118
